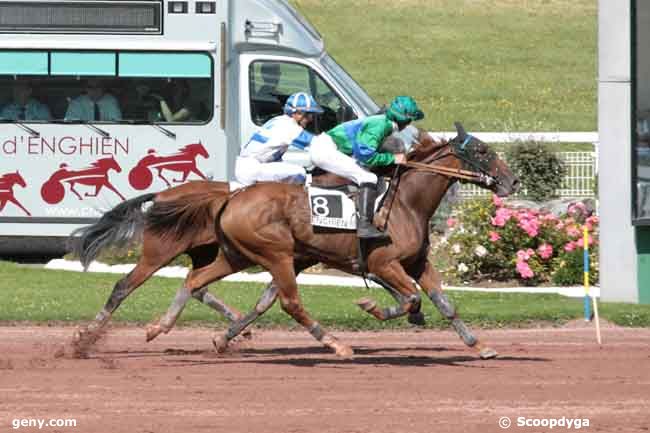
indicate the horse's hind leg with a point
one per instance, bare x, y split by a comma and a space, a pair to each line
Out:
86, 337
201, 257
430, 281
195, 280
285, 277
265, 302
150, 261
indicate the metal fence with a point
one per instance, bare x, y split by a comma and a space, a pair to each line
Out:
579, 181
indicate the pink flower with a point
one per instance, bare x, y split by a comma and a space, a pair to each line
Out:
524, 255
577, 209
451, 222
524, 270
549, 217
569, 247
530, 226
501, 217
494, 236
573, 231
497, 200
559, 225
545, 251
593, 220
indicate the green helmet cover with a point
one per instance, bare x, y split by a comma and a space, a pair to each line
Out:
404, 109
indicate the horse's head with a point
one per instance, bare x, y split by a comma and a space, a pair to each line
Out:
196, 149
108, 164
16, 179
482, 164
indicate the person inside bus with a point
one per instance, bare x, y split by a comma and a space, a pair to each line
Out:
140, 104
24, 106
271, 77
175, 105
265, 101
95, 105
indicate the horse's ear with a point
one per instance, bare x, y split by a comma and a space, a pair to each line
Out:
461, 131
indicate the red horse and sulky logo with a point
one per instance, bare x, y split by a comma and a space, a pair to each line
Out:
183, 162
96, 176
7, 182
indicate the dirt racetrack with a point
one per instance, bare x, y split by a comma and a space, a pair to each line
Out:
285, 382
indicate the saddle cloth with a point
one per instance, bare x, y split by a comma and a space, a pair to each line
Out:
333, 208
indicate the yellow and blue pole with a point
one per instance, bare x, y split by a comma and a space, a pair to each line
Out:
585, 239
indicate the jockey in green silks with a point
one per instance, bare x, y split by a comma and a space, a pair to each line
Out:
361, 139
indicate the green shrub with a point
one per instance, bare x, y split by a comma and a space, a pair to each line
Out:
539, 170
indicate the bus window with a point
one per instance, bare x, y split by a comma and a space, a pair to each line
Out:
272, 82
112, 87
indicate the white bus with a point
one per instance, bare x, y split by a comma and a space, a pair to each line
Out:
105, 100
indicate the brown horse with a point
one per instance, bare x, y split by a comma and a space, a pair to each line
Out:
125, 224
270, 225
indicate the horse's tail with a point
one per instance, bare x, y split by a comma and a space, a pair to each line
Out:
189, 217
117, 228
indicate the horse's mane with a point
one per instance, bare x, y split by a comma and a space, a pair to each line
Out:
426, 146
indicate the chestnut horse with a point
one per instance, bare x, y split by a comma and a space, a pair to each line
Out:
270, 225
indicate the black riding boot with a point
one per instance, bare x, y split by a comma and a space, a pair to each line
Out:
366, 207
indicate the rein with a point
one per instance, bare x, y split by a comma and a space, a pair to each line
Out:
447, 171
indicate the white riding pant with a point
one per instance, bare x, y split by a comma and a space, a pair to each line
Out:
324, 154
250, 170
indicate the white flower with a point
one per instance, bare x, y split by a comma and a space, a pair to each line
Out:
480, 251
462, 268
455, 248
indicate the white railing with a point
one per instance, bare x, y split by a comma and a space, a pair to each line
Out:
579, 180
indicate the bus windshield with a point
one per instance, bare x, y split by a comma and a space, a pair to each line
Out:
367, 103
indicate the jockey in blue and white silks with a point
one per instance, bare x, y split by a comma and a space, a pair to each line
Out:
260, 160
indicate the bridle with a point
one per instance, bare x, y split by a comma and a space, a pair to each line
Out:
477, 176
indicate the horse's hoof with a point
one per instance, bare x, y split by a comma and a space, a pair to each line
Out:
367, 304
343, 351
220, 344
416, 319
488, 353
153, 331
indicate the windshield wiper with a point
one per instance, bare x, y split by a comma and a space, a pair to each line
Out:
98, 130
165, 131
30, 131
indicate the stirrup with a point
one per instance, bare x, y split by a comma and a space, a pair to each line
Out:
369, 231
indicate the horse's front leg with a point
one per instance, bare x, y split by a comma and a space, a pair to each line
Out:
431, 282
14, 201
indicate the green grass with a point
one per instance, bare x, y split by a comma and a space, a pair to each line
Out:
39, 295
496, 65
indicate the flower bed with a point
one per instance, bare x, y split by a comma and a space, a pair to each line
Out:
487, 239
